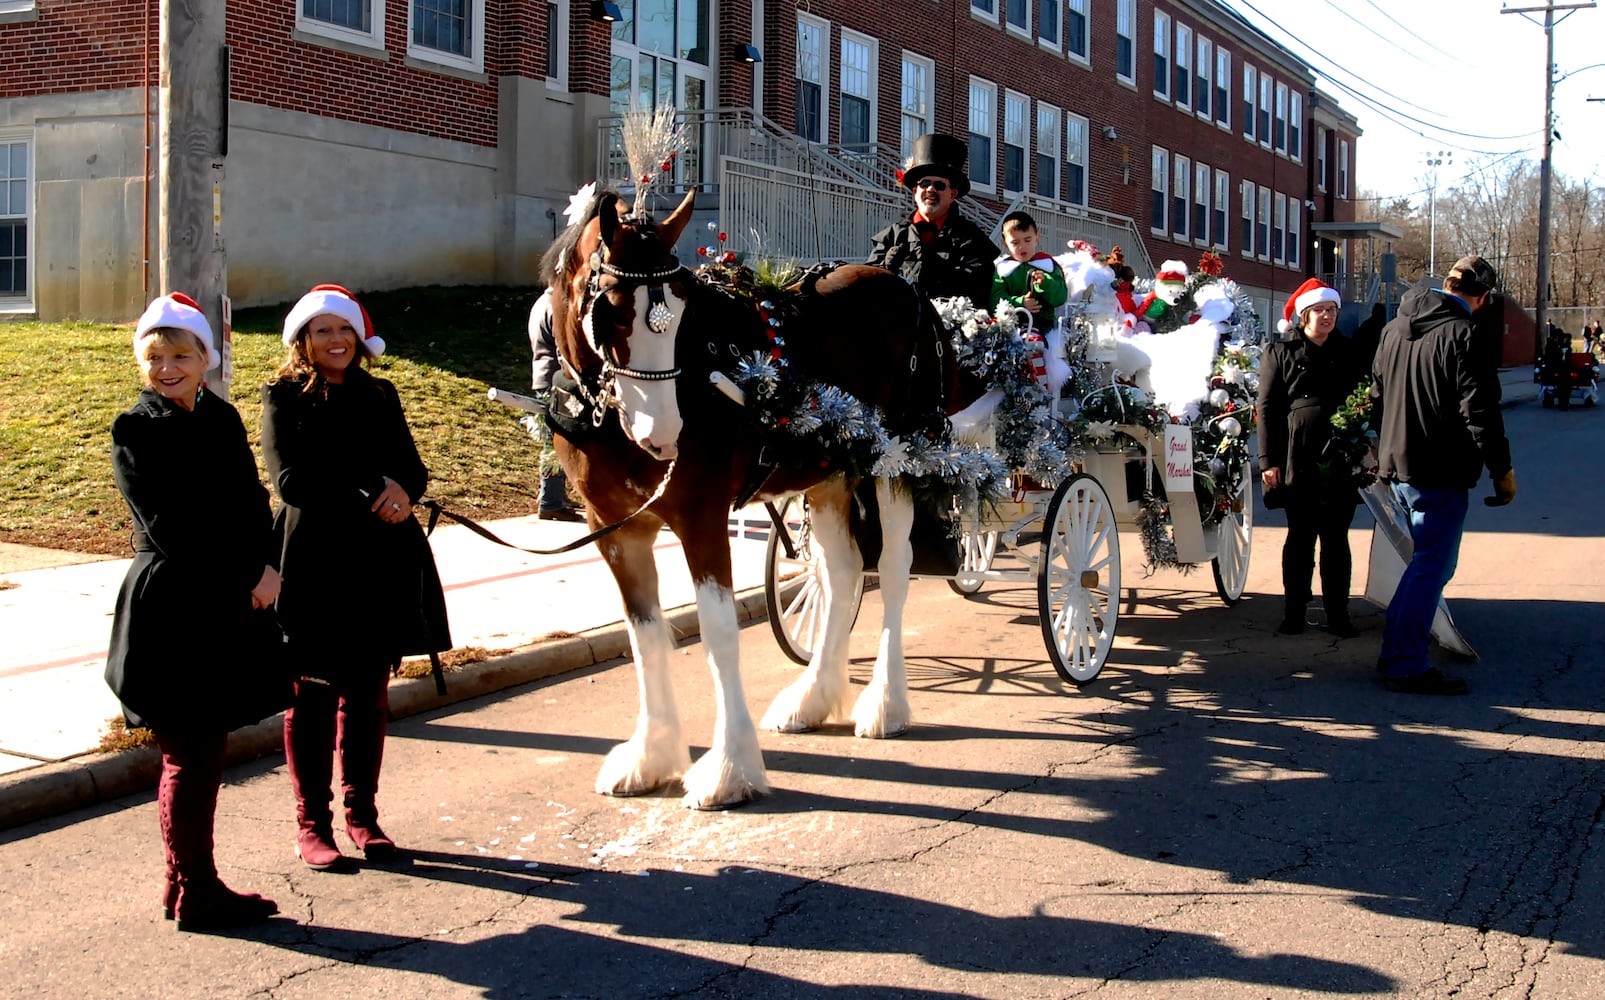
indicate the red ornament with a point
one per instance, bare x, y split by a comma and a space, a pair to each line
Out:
774, 352
784, 421
721, 237
702, 251
666, 165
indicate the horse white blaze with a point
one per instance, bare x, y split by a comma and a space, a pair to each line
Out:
882, 710
656, 753
651, 410
732, 770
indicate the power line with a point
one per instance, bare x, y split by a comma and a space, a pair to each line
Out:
1413, 55
1412, 34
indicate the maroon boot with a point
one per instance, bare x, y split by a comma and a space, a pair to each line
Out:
362, 717
309, 753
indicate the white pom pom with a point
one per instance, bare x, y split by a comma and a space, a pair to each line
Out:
1282, 326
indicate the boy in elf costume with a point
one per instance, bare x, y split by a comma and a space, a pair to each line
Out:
1028, 278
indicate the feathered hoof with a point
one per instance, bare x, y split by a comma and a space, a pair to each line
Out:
628, 770
721, 782
878, 717
802, 707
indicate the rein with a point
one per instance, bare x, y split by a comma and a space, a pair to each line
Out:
658, 318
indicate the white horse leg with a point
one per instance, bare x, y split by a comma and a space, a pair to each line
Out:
656, 754
732, 770
823, 691
882, 710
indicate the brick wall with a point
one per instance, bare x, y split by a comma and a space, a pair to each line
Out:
76, 45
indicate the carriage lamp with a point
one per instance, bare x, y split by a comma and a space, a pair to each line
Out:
606, 10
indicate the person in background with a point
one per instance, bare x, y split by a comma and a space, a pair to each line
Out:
191, 641
937, 248
1025, 277
1437, 410
554, 502
1368, 334
1304, 379
360, 589
1591, 336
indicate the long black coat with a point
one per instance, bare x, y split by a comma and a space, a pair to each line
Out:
957, 260
187, 650
1301, 385
356, 591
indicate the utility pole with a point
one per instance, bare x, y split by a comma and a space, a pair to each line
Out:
194, 143
1545, 165
1434, 161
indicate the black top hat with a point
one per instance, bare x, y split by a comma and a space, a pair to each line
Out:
940, 154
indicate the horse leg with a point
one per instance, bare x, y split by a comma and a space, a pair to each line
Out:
656, 754
822, 692
732, 770
882, 710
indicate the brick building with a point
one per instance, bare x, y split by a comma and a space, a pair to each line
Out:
384, 143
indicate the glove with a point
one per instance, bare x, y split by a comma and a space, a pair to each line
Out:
1504, 490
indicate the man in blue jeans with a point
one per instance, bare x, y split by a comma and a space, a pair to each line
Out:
554, 504
1437, 407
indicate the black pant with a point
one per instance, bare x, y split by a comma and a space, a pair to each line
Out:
1326, 519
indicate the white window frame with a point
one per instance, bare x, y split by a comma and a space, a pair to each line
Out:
1017, 133
373, 38
1279, 228
556, 44
1223, 84
1295, 226
1295, 127
1263, 122
1279, 133
927, 99
987, 116
1159, 225
1343, 169
1223, 205
1263, 222
1247, 217
1320, 158
823, 26
1182, 67
1079, 152
25, 303
1125, 28
1050, 146
1181, 188
474, 62
871, 74
1082, 8
1203, 73
1051, 44
1162, 51
1250, 94
24, 6
986, 11
1201, 192
1018, 30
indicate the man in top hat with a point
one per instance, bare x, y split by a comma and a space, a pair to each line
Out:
937, 248
1436, 404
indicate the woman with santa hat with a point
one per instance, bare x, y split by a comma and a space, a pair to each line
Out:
360, 587
1304, 379
193, 645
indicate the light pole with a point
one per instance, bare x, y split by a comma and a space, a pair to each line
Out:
1434, 161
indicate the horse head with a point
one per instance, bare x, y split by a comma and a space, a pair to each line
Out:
626, 294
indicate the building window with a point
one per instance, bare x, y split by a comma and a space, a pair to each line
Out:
1295, 128
361, 22
1223, 87
1017, 13
1076, 28
1262, 127
1048, 23
1279, 229
1250, 88
1295, 213
1179, 194
918, 75
1126, 41
451, 32
1048, 138
556, 47
1200, 204
811, 36
1184, 69
859, 59
1076, 153
14, 217
983, 131
1223, 192
1248, 219
1320, 158
1262, 231
1279, 129
1204, 90
984, 7
1160, 205
1343, 169
1016, 140
1162, 55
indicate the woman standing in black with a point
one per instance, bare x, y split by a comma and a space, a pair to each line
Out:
360, 587
191, 639
1303, 381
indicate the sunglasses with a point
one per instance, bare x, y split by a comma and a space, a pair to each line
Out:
932, 183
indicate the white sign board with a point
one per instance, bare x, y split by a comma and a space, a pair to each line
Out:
1178, 459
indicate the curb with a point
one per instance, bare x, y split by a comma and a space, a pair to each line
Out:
92, 779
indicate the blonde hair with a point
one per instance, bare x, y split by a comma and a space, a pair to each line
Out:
171, 336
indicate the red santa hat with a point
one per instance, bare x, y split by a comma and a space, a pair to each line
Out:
177, 311
1171, 271
1312, 293
332, 300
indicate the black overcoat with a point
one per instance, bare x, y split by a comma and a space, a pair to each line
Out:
1301, 385
957, 260
187, 649
356, 590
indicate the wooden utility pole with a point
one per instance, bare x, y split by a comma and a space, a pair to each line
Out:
194, 143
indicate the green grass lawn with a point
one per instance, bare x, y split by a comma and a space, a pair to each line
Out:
62, 384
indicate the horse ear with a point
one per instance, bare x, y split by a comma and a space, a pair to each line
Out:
607, 217
674, 225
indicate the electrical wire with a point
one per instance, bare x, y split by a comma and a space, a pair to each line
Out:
1412, 34
1377, 34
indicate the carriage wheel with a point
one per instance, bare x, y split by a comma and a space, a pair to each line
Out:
1078, 578
793, 589
977, 549
1236, 539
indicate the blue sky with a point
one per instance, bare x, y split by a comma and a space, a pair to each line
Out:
1479, 72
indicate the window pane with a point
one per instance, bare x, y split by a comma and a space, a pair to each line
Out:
654, 26
810, 43
1076, 32
1048, 21
13, 258
855, 121
441, 25
980, 159
1046, 167
691, 31
18, 199
1017, 13
808, 111
17, 160
353, 14
624, 27
1013, 168
1076, 184
855, 68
